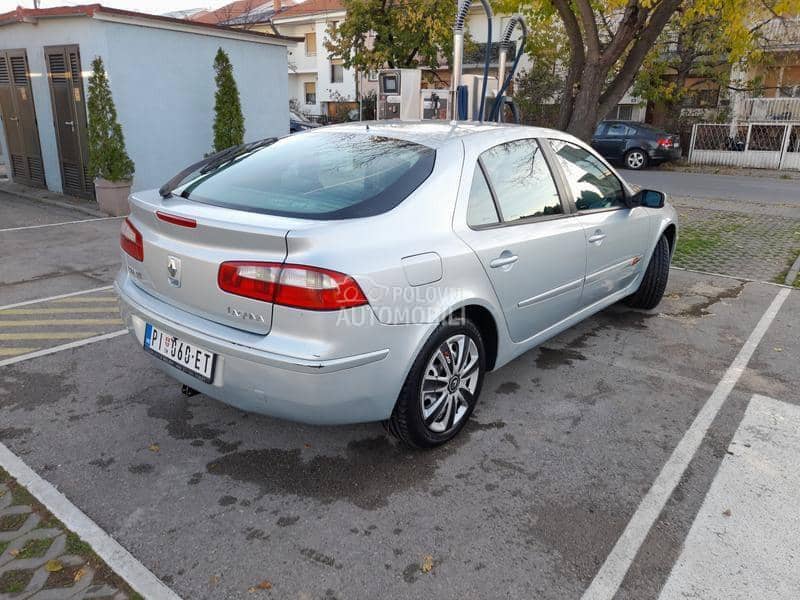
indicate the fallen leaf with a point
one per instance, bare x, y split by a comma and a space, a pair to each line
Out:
778, 349
214, 579
427, 564
251, 590
79, 574
13, 552
264, 585
727, 512
307, 445
154, 447
53, 566
2, 493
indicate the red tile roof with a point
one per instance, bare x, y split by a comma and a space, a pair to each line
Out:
311, 7
88, 10
227, 12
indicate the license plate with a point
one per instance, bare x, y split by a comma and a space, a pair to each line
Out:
182, 355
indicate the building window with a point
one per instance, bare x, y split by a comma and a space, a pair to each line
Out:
337, 70
310, 90
311, 44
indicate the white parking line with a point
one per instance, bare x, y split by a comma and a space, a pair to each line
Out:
610, 576
58, 224
743, 541
122, 562
49, 298
54, 349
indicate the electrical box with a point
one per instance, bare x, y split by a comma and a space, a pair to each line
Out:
474, 85
434, 104
399, 94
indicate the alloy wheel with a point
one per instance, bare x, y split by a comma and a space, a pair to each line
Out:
449, 383
635, 159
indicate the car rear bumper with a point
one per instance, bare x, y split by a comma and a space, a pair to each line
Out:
332, 390
665, 154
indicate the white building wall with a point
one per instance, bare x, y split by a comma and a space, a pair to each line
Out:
163, 87
317, 67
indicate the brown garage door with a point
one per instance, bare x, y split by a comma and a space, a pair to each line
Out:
19, 119
69, 118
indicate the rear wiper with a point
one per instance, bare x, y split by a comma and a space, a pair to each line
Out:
212, 163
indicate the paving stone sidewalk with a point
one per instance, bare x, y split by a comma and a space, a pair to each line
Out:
41, 560
742, 244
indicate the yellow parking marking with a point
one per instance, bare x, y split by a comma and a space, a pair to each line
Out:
47, 322
16, 351
53, 335
87, 299
58, 311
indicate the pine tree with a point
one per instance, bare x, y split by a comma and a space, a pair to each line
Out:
107, 156
228, 118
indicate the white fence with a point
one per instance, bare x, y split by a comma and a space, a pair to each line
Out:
772, 145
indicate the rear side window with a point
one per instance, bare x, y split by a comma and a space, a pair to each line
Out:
481, 209
620, 130
319, 175
521, 180
595, 186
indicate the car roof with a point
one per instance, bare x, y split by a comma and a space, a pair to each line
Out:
436, 134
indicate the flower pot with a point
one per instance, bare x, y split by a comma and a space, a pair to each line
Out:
112, 196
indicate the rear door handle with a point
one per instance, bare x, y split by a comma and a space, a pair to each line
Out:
504, 260
598, 236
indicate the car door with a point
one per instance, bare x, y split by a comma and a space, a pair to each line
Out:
611, 142
532, 249
617, 237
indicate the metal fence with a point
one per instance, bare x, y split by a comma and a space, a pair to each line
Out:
769, 109
772, 145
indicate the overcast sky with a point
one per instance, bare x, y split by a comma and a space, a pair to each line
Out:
151, 6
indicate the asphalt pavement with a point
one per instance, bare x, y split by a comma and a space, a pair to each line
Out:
765, 190
529, 502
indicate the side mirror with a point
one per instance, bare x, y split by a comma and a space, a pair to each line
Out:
648, 199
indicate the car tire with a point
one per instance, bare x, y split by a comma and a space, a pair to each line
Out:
417, 420
654, 282
636, 159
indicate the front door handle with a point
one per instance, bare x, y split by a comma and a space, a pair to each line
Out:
597, 237
504, 260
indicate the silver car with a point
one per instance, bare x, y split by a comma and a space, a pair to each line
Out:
376, 272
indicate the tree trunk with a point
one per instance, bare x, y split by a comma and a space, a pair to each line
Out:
584, 114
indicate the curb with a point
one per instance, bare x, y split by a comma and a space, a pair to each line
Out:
59, 203
794, 271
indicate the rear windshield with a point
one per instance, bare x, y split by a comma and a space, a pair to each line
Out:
320, 175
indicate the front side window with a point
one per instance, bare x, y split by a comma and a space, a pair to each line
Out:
480, 210
595, 186
318, 175
522, 181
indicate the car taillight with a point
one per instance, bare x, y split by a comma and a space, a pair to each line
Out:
298, 286
131, 241
665, 142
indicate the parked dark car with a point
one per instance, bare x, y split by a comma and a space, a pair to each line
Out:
635, 145
298, 122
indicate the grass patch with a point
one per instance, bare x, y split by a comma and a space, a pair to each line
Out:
704, 238
13, 582
76, 545
3, 546
35, 548
12, 522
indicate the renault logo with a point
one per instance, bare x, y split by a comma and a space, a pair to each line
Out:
174, 271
